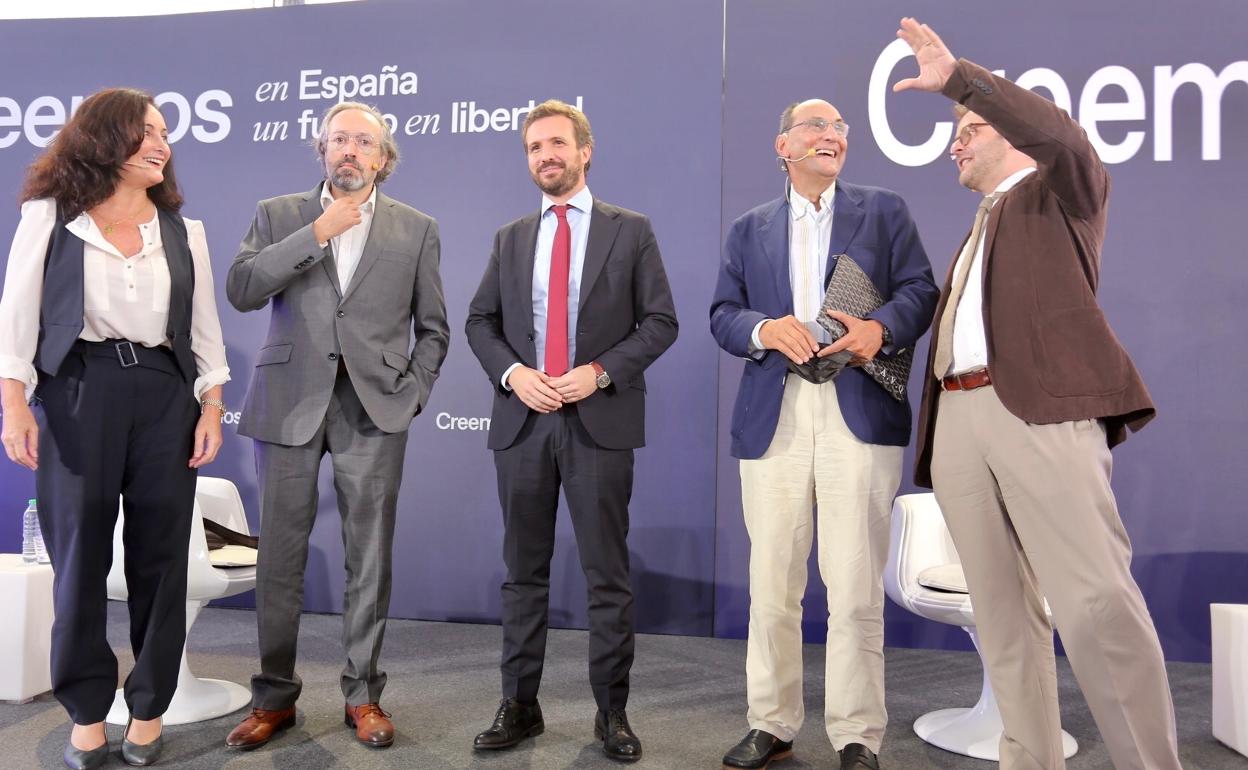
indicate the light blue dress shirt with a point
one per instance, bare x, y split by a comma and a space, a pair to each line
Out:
580, 208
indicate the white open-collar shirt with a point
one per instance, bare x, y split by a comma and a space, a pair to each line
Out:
970, 342
123, 297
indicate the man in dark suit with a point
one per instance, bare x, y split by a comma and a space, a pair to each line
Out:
573, 307
803, 439
356, 337
1026, 391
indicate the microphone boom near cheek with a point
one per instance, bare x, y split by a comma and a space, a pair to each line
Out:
810, 153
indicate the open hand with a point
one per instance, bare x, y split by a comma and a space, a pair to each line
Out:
936, 63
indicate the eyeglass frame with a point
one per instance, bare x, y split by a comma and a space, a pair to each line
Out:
365, 143
839, 127
970, 130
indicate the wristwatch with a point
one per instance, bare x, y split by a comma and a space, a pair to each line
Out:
601, 378
888, 334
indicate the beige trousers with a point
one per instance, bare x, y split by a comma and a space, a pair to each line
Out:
1032, 514
814, 459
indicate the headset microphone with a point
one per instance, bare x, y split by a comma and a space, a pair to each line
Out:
375, 167
783, 160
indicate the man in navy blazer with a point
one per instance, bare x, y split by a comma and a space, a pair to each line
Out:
804, 441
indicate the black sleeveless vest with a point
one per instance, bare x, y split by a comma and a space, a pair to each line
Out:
60, 312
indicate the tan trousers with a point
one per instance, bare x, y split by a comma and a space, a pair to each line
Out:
814, 458
1032, 514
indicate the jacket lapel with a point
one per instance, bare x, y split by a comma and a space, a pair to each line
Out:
774, 235
604, 225
847, 218
994, 223
310, 209
372, 246
524, 254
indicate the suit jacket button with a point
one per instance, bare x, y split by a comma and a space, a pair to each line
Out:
333, 356
341, 314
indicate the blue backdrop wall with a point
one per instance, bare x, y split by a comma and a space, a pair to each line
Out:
684, 98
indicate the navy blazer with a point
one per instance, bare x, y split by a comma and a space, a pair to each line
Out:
873, 226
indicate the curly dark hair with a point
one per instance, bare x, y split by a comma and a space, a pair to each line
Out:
82, 165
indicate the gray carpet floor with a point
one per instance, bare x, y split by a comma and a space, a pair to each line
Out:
687, 705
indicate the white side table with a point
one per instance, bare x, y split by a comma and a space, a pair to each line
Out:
1230, 674
26, 636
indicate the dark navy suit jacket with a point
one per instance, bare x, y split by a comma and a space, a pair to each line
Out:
874, 227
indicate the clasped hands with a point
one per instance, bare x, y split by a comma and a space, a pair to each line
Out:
544, 394
790, 336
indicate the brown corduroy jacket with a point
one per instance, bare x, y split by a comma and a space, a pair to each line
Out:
1051, 353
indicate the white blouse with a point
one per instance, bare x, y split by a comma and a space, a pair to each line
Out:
123, 297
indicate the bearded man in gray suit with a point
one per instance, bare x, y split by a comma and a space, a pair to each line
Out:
356, 337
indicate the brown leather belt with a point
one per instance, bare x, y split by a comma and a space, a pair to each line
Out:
968, 381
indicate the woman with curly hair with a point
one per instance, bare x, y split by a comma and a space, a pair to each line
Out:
111, 367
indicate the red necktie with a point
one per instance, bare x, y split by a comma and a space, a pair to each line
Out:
557, 296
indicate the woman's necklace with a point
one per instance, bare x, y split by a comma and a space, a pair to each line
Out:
108, 228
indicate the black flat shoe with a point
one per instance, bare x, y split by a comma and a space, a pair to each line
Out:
513, 722
618, 739
77, 759
757, 750
855, 756
141, 754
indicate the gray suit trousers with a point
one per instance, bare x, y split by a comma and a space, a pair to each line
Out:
368, 465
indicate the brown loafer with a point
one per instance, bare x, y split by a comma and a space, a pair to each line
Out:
260, 726
372, 725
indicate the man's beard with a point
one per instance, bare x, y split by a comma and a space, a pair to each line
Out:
345, 180
560, 185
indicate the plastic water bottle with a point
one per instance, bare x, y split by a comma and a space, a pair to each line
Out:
31, 533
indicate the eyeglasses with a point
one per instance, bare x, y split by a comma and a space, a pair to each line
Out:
968, 133
367, 144
819, 125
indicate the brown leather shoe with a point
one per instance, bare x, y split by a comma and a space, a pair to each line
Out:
372, 725
260, 726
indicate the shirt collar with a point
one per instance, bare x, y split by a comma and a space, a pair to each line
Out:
800, 206
85, 228
1008, 183
327, 198
583, 201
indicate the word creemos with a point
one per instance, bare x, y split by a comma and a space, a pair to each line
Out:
1096, 107
204, 116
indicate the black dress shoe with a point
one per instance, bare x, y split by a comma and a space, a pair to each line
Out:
758, 749
141, 754
513, 722
855, 756
618, 739
77, 759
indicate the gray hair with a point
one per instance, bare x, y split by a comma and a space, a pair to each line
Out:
786, 117
388, 146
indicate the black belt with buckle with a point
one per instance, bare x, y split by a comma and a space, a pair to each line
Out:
128, 354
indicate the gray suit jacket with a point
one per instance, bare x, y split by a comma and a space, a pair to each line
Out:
396, 291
